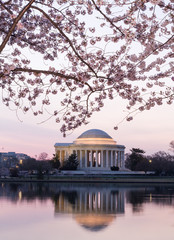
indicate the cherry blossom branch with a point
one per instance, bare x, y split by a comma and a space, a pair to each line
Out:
3, 5
66, 37
154, 50
50, 73
17, 19
109, 20
61, 12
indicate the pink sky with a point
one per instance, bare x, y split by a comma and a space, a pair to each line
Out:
151, 131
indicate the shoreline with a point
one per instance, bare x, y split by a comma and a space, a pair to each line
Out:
94, 179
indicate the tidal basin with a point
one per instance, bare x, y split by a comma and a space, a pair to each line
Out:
86, 211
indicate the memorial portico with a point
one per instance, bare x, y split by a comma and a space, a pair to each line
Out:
95, 150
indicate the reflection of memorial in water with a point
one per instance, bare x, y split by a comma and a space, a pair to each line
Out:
92, 208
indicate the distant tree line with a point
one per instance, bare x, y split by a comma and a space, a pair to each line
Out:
43, 167
161, 163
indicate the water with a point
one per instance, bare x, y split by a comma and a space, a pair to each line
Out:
86, 211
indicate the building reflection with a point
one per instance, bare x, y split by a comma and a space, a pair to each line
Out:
96, 201
93, 208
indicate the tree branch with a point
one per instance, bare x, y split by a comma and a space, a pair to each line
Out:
8, 10
109, 20
50, 73
64, 35
153, 51
17, 19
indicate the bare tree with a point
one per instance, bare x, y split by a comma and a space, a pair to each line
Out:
43, 156
171, 146
92, 50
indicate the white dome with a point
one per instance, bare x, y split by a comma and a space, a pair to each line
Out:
94, 133
95, 136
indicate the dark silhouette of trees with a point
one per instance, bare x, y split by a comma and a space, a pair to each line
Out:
14, 172
32, 165
91, 52
43, 168
160, 163
136, 160
71, 163
28, 164
55, 161
172, 146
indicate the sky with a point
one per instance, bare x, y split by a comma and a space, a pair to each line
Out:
151, 131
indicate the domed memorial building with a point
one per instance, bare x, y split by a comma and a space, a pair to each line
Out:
95, 150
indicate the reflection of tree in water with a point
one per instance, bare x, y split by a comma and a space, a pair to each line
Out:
14, 187
71, 196
28, 191
163, 195
136, 198
39, 191
55, 197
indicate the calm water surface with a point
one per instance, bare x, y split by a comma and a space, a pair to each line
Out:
86, 211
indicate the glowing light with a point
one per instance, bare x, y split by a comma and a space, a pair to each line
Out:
21, 161
20, 195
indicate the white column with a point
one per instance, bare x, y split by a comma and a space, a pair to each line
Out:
96, 158
91, 157
116, 156
60, 155
80, 159
119, 153
122, 159
66, 154
76, 153
101, 158
107, 162
86, 158
112, 159
118, 159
